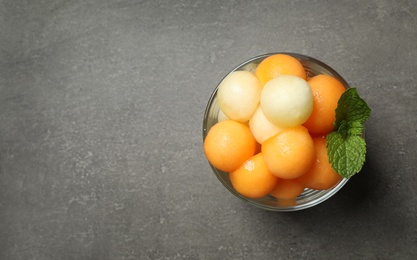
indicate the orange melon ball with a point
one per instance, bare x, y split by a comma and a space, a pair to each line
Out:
279, 64
228, 144
321, 175
287, 189
253, 179
290, 153
326, 92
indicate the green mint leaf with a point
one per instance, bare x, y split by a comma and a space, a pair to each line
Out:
347, 128
347, 154
343, 128
355, 128
345, 146
351, 107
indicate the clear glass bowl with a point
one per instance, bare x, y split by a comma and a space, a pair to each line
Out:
309, 197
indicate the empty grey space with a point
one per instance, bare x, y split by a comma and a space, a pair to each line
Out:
101, 111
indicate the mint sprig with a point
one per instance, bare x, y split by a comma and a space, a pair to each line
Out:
345, 146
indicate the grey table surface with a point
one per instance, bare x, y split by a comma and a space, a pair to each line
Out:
101, 107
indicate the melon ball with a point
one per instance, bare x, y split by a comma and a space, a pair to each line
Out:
238, 95
261, 127
287, 101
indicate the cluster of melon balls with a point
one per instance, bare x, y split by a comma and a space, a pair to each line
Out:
272, 127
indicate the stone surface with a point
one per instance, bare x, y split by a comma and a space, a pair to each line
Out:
101, 107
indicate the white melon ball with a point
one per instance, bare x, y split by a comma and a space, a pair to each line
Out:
238, 95
287, 101
261, 127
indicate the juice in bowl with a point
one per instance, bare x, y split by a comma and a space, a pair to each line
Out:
280, 137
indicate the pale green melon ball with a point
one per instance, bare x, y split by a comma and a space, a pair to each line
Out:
261, 127
238, 95
287, 101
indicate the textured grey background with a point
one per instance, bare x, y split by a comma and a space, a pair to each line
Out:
101, 106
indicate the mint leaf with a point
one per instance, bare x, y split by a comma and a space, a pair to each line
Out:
355, 128
351, 107
345, 146
348, 154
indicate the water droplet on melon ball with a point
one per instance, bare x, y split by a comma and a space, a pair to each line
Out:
238, 95
287, 101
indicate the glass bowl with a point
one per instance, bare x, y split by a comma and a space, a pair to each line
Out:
309, 197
